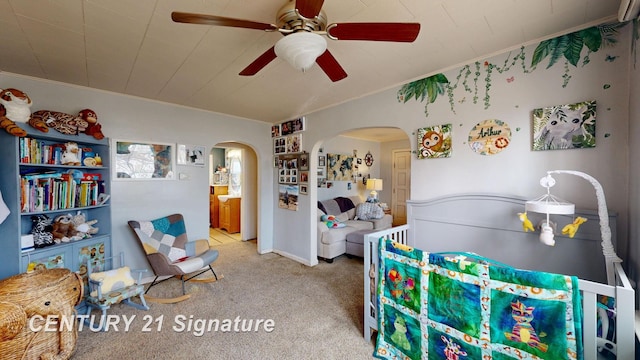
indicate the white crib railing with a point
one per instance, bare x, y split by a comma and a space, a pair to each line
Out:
398, 234
623, 345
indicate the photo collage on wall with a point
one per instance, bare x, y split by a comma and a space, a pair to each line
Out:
292, 162
288, 169
287, 136
321, 171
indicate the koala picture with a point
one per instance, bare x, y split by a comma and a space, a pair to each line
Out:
565, 127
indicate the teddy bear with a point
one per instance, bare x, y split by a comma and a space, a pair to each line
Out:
85, 228
15, 107
63, 229
41, 231
93, 129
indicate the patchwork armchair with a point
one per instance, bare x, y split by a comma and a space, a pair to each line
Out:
171, 254
112, 287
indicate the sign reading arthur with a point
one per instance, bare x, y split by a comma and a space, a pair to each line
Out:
489, 137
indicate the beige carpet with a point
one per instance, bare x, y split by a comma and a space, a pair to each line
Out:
316, 311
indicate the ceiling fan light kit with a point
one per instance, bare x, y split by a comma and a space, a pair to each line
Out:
304, 25
301, 49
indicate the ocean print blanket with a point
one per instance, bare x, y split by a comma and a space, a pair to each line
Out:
462, 306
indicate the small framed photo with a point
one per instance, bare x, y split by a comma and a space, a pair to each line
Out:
303, 189
321, 172
304, 177
190, 155
276, 161
279, 145
322, 160
298, 124
304, 161
294, 143
275, 130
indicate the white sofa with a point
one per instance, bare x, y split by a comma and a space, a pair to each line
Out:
332, 242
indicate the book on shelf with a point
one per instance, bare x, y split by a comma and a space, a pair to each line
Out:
102, 198
56, 191
34, 151
26, 243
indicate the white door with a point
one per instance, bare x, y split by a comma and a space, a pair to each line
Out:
401, 183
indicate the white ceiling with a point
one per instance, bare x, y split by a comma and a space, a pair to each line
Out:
133, 47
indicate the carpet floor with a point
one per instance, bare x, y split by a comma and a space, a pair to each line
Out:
265, 307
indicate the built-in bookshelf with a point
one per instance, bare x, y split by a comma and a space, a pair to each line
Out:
34, 181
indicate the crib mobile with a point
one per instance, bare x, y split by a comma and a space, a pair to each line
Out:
549, 204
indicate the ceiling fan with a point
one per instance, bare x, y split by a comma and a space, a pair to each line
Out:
303, 24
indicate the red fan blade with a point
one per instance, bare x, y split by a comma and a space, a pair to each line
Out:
203, 19
400, 32
330, 65
309, 8
257, 65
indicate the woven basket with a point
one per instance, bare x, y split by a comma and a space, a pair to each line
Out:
43, 293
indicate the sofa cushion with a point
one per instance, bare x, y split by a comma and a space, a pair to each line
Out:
359, 225
381, 224
336, 235
369, 211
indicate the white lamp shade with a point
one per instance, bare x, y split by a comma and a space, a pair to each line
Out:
374, 184
301, 49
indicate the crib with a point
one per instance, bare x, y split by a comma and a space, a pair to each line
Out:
483, 223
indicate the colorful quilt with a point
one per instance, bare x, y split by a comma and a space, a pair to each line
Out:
462, 306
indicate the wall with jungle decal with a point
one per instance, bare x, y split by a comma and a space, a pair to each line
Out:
496, 125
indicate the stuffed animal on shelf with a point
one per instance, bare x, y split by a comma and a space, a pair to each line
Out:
63, 123
93, 128
571, 229
84, 228
63, 229
15, 107
70, 154
41, 231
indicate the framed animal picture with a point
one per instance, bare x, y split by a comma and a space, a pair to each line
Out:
569, 126
434, 142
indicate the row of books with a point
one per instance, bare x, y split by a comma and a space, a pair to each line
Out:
48, 192
34, 151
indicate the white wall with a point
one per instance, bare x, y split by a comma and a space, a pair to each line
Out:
126, 117
516, 170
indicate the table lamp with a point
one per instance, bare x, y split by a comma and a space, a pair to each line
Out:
374, 185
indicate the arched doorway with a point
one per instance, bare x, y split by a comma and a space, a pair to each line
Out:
233, 199
381, 145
